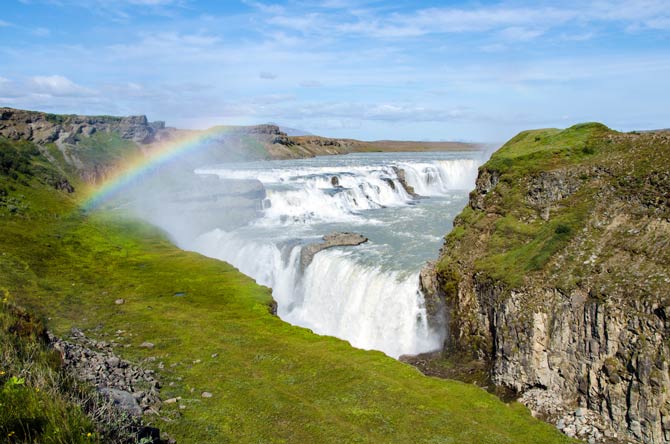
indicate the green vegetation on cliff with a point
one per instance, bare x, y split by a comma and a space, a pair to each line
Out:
544, 190
269, 381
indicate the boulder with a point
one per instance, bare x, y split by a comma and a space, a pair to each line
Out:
123, 400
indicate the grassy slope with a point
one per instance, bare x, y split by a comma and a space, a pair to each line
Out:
615, 173
271, 382
36, 400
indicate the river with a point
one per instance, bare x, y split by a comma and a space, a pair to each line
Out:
369, 294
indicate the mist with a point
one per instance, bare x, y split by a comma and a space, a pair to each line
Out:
226, 200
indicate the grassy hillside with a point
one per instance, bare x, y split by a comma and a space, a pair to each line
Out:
270, 382
556, 276
552, 187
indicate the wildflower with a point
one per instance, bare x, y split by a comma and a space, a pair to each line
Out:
2, 372
10, 434
89, 434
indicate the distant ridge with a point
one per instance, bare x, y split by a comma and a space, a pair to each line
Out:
292, 131
91, 144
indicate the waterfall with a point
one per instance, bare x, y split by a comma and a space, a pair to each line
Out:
343, 292
434, 179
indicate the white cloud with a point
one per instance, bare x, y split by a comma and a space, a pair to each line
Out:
311, 84
266, 75
518, 33
41, 32
519, 23
58, 86
120, 10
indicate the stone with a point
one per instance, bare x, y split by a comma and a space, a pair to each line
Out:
148, 434
335, 239
123, 400
400, 173
206, 394
119, 301
170, 401
147, 344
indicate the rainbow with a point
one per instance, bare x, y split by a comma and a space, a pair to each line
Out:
148, 161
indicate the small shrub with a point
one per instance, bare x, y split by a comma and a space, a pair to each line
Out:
562, 229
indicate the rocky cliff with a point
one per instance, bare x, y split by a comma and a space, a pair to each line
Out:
42, 128
91, 145
556, 276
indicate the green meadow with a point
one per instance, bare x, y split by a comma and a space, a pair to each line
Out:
63, 267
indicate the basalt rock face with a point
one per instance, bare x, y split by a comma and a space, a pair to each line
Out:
42, 128
557, 276
402, 178
91, 145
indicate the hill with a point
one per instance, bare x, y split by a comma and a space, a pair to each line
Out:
556, 275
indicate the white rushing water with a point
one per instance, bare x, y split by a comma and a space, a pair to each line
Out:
368, 295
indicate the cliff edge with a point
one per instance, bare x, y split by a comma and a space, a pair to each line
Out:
556, 278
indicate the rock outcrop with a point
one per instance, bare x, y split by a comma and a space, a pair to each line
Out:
131, 388
402, 178
42, 128
557, 277
329, 241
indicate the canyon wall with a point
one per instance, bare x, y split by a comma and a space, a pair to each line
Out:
556, 277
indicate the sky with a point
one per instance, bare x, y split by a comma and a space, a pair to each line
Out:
410, 70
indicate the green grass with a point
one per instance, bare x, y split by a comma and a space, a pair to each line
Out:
517, 248
33, 402
531, 150
510, 243
519, 242
271, 382
103, 148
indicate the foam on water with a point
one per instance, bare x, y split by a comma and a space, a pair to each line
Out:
363, 294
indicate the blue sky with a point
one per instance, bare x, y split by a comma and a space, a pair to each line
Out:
423, 70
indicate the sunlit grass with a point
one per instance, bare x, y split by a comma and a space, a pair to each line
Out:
270, 382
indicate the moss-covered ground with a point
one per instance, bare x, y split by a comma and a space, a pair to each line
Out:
270, 382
